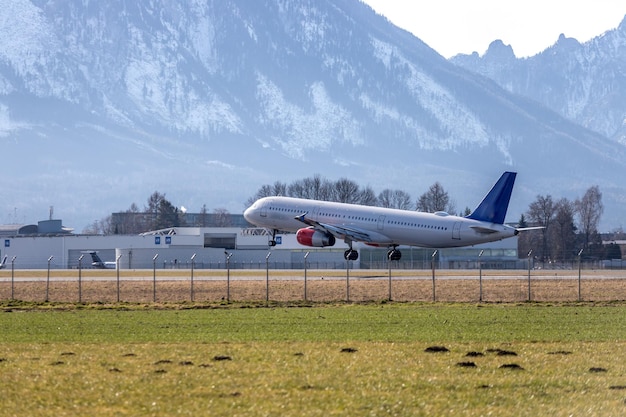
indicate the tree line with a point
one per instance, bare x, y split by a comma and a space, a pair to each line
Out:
570, 228
345, 190
567, 226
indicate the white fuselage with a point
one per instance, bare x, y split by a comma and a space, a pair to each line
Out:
384, 226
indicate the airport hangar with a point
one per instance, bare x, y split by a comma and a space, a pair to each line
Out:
31, 246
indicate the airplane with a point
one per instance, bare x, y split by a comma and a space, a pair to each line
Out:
4, 262
321, 223
99, 263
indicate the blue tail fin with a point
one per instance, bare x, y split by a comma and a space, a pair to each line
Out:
493, 207
95, 258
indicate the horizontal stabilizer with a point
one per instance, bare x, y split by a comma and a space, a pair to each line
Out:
525, 229
483, 230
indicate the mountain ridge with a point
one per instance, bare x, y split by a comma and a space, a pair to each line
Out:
583, 82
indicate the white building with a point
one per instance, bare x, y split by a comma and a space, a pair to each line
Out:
248, 246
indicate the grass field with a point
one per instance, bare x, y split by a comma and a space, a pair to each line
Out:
300, 359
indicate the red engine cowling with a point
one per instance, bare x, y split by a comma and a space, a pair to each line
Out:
315, 238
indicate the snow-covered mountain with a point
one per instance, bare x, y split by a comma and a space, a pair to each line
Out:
102, 103
585, 83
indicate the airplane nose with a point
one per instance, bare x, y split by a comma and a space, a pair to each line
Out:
248, 214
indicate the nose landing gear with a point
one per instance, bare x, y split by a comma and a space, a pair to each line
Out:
272, 242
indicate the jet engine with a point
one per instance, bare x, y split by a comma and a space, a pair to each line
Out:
311, 237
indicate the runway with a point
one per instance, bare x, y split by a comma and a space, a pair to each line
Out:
58, 275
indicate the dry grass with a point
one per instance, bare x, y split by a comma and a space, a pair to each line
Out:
322, 286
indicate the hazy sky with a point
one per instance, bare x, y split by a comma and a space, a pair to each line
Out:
464, 26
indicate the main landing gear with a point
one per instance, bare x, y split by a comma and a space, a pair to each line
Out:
394, 254
350, 254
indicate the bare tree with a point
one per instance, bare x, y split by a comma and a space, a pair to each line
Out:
367, 197
222, 217
394, 199
589, 209
346, 191
319, 188
385, 198
314, 188
435, 199
203, 216
99, 227
541, 213
298, 189
343, 190
266, 190
279, 188
563, 231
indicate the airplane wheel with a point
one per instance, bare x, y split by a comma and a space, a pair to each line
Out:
394, 255
351, 255
272, 243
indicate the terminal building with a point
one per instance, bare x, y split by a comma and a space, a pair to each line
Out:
32, 246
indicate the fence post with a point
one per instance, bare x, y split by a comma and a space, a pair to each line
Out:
80, 278
193, 261
432, 264
267, 276
389, 267
13, 278
579, 266
228, 255
306, 255
480, 276
347, 280
48, 279
530, 252
117, 269
154, 277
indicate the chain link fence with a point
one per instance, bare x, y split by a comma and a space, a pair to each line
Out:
271, 283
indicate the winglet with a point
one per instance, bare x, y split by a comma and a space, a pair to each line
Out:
495, 204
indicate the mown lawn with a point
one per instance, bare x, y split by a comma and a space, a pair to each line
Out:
310, 360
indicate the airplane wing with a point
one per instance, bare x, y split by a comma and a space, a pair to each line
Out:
343, 232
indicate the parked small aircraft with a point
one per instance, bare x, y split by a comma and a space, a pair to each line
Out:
99, 263
320, 223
